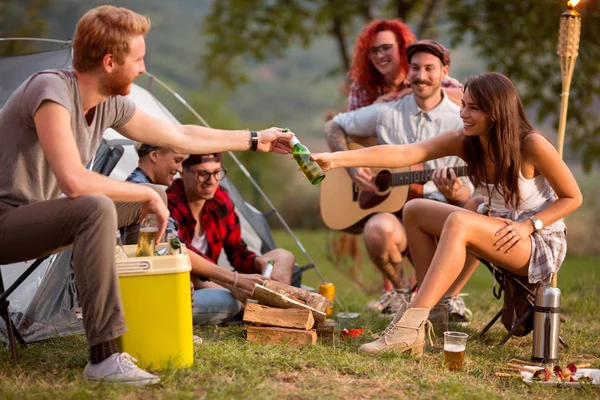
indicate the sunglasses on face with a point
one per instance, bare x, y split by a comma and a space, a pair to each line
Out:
385, 49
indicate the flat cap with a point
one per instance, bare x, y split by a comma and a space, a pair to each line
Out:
431, 47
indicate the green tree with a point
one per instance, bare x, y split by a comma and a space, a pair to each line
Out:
12, 15
517, 38
240, 32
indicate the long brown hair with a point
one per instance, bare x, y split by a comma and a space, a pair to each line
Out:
496, 96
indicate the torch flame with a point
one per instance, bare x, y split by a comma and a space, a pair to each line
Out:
572, 3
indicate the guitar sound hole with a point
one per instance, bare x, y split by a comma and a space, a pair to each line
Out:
383, 180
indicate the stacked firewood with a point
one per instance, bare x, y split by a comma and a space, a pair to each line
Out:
284, 314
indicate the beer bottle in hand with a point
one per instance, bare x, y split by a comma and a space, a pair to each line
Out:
311, 169
148, 237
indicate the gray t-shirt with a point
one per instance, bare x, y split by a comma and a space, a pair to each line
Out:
25, 175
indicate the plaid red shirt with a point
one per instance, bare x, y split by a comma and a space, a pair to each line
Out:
359, 97
219, 222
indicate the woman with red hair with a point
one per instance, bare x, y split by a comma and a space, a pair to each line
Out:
378, 71
380, 67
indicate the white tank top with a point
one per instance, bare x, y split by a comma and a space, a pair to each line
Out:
536, 194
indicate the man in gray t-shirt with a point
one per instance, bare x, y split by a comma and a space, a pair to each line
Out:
50, 128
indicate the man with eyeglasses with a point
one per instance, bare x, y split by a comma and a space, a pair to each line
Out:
423, 114
209, 224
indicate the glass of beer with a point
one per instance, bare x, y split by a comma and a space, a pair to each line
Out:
455, 344
147, 238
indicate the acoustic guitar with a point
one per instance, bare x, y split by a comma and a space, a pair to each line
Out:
344, 207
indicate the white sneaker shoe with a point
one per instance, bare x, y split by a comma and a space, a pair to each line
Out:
120, 368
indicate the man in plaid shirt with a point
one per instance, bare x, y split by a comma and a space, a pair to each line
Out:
209, 224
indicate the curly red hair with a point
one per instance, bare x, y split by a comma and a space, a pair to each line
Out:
362, 71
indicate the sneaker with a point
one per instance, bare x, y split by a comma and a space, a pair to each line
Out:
457, 310
120, 368
379, 305
390, 302
197, 340
399, 300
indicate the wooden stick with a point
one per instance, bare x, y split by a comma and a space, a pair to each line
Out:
505, 375
521, 367
517, 361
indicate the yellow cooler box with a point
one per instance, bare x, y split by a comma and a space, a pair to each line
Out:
158, 309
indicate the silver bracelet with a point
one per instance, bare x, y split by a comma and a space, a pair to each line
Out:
235, 278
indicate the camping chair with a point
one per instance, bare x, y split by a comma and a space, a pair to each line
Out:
11, 329
104, 161
502, 278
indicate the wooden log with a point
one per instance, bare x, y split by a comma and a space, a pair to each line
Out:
299, 318
266, 335
311, 299
270, 298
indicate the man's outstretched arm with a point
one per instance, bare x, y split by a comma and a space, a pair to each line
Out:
193, 139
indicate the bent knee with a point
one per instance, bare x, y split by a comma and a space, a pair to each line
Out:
97, 206
381, 227
415, 207
283, 257
458, 221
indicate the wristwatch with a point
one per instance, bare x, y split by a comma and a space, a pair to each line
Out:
537, 223
253, 140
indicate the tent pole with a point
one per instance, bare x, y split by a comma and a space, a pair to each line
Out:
250, 178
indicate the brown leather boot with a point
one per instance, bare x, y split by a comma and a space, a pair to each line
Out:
403, 334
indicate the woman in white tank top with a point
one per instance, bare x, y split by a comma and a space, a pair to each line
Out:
519, 224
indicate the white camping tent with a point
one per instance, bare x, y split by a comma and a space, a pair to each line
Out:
44, 305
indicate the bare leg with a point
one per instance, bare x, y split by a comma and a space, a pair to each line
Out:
385, 240
469, 268
459, 230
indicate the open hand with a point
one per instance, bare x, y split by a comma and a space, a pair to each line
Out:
275, 140
511, 234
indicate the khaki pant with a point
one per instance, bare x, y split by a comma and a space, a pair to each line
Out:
89, 224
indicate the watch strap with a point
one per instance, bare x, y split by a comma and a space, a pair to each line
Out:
253, 141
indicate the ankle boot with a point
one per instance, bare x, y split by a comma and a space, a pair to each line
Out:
439, 318
404, 334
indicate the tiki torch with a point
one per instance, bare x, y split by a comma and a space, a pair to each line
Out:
568, 47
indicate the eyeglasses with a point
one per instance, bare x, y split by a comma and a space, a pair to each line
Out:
385, 49
204, 176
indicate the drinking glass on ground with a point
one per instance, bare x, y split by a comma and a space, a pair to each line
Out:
455, 344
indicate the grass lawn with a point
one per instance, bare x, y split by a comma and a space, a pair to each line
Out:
227, 367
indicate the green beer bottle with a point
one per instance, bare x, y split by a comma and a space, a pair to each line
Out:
311, 169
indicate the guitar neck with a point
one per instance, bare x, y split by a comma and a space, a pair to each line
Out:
422, 176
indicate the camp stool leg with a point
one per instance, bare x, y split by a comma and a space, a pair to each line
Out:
12, 331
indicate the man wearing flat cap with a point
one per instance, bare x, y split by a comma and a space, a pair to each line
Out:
209, 224
418, 116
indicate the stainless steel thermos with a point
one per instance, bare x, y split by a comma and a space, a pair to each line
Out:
546, 325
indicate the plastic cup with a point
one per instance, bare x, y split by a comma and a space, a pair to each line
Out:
455, 344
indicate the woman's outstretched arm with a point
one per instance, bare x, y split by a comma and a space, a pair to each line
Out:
449, 143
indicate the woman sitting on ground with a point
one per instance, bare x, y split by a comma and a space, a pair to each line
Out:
518, 225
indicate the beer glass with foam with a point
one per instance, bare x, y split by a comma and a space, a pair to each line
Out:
148, 237
455, 344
